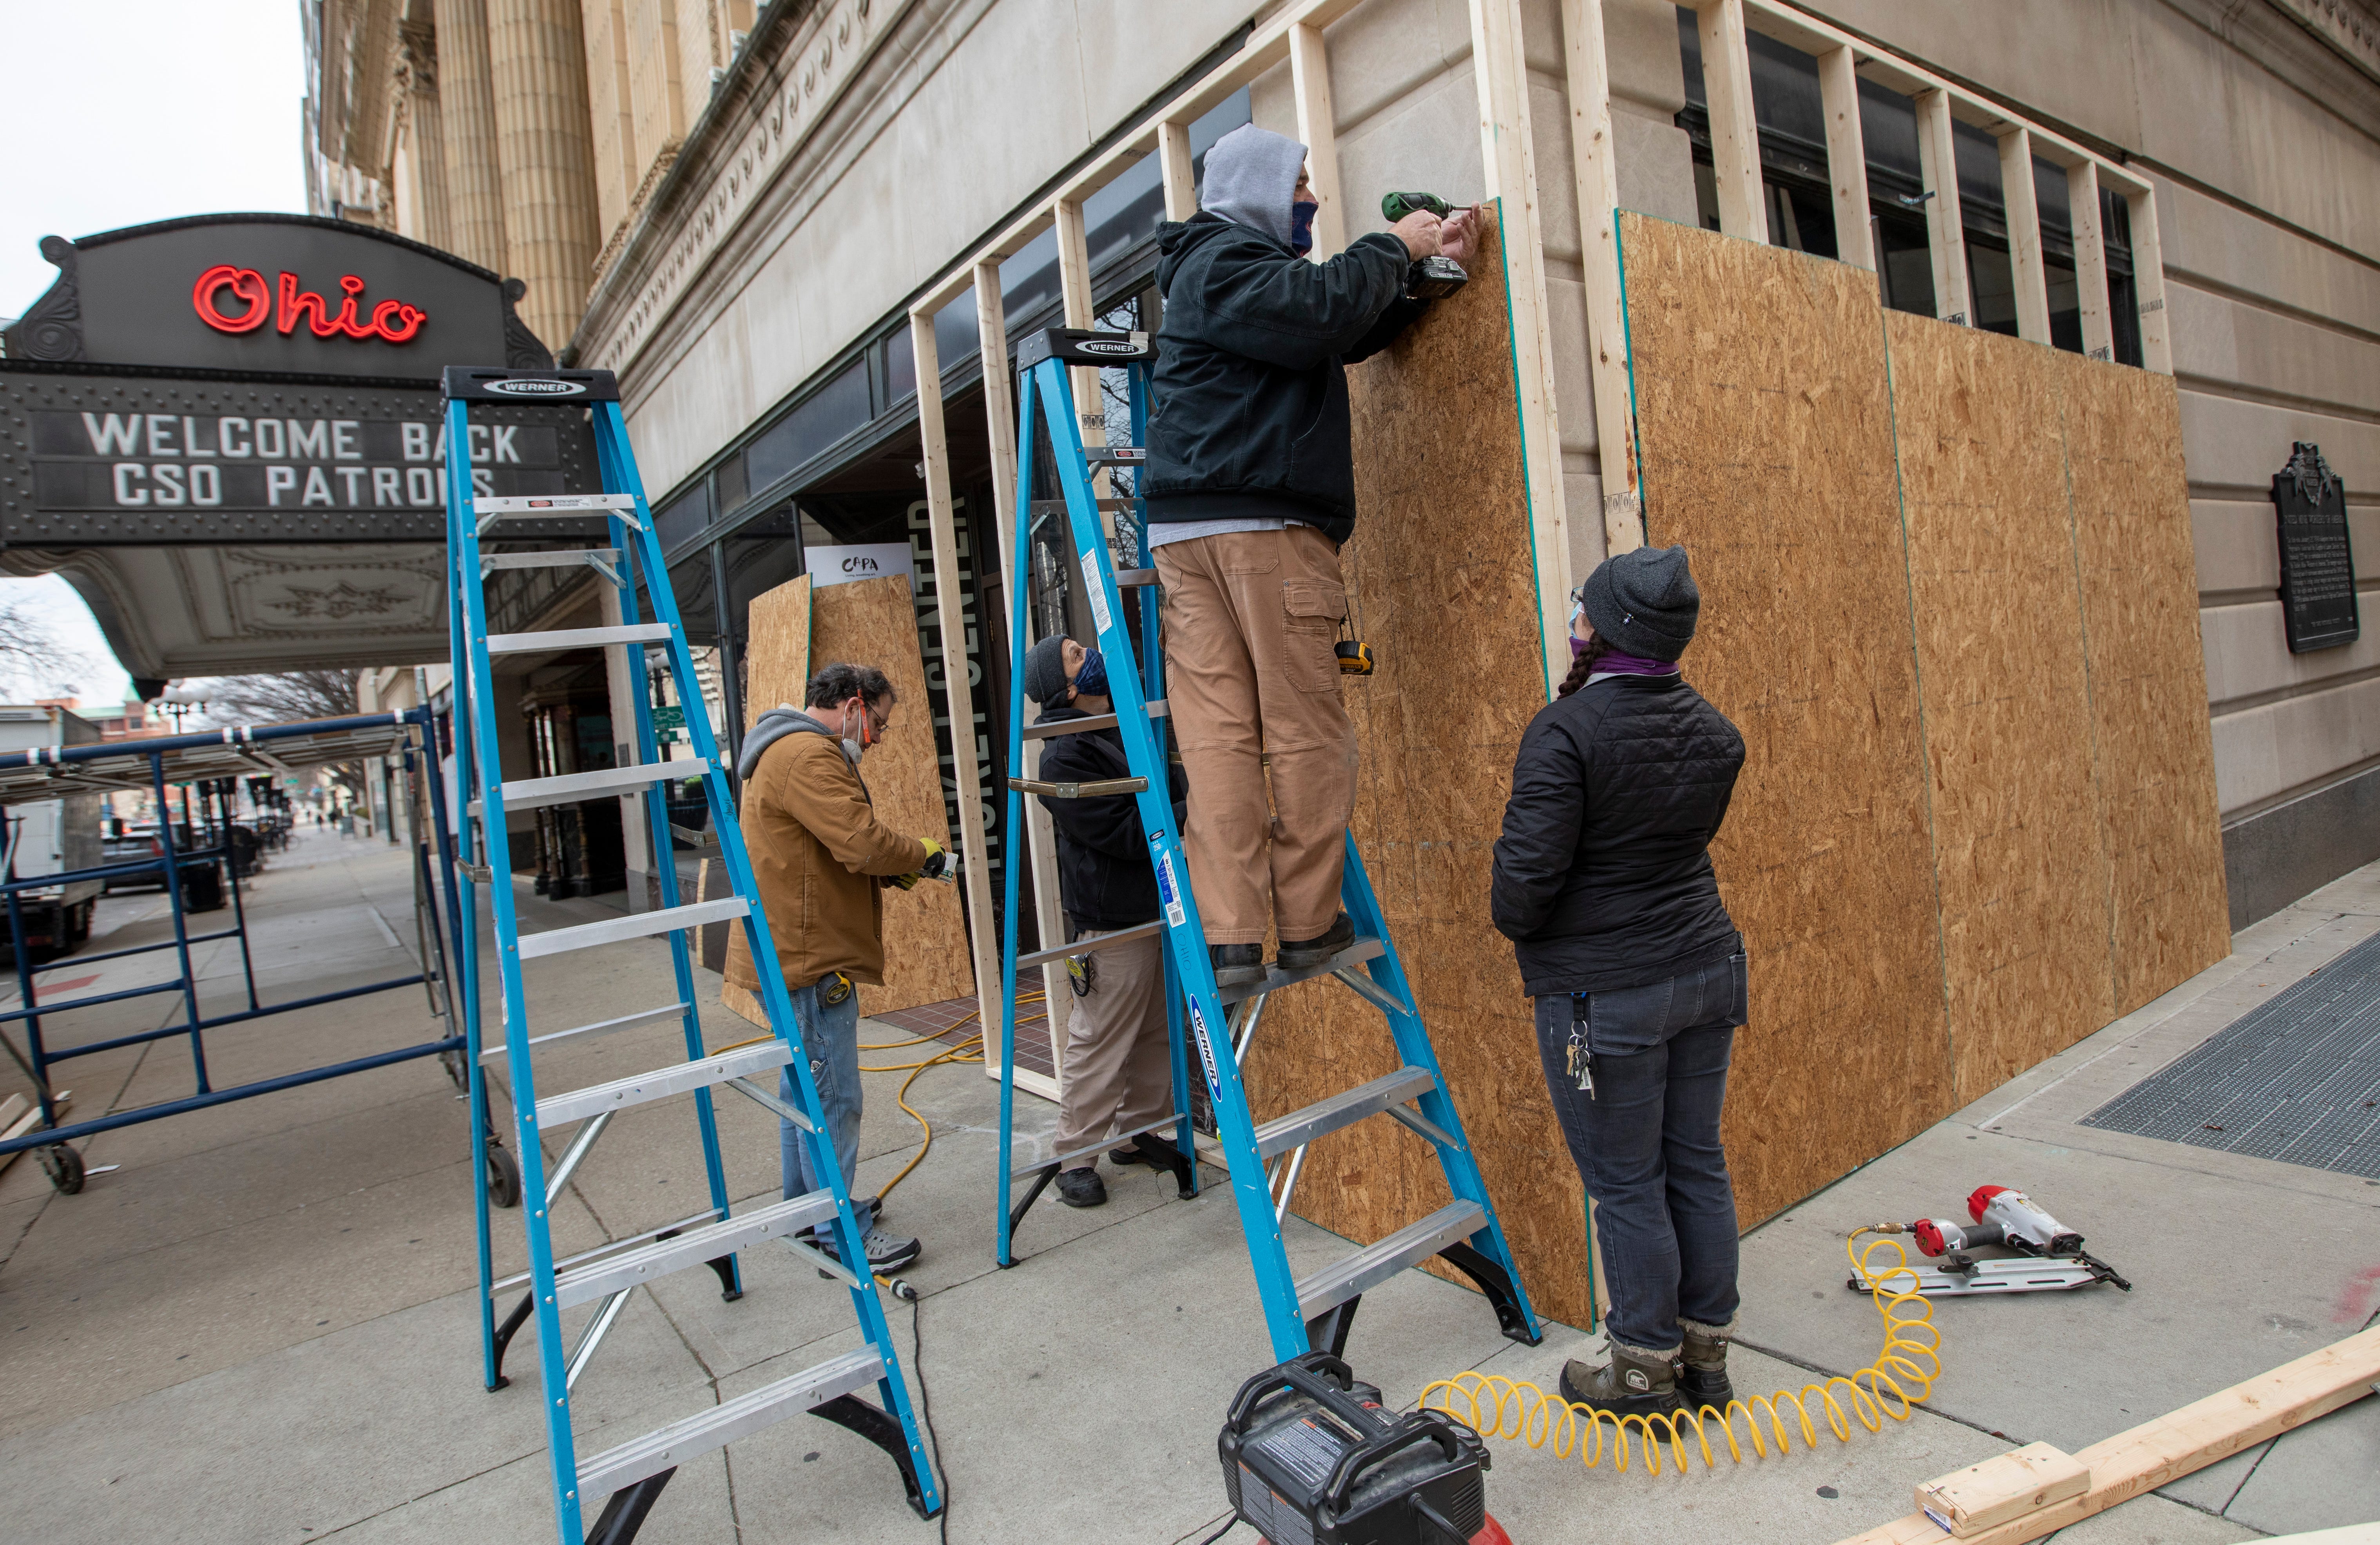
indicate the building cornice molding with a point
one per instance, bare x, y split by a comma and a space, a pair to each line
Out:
802, 61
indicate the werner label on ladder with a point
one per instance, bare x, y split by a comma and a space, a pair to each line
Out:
1221, 1018
629, 1477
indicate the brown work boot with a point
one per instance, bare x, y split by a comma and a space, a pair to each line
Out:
1701, 1371
1635, 1382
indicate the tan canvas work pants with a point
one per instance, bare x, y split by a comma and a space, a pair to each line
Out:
1119, 1062
1251, 618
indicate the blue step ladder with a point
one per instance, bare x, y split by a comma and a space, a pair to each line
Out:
630, 1475
1301, 1315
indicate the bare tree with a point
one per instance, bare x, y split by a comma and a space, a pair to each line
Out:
31, 653
284, 697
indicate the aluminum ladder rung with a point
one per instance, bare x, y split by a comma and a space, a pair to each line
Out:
568, 557
578, 638
1116, 455
640, 1089
1058, 506
1157, 708
1128, 578
1087, 947
668, 1447
1098, 790
1375, 1264
602, 1278
635, 925
498, 1049
544, 507
1276, 979
1344, 1109
609, 1247
529, 793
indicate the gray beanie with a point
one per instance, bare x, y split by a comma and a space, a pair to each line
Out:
1644, 602
1252, 177
1045, 671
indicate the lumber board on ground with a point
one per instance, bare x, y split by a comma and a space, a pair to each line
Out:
1442, 532
2019, 861
2169, 915
1967, 1502
1762, 402
873, 622
2160, 1451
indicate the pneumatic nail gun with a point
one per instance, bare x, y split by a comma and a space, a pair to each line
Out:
2048, 1255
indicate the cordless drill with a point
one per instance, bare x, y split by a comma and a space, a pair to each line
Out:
1431, 277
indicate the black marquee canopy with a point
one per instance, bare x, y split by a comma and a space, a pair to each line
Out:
225, 432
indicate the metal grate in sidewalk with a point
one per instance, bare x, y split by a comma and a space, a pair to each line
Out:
2296, 1078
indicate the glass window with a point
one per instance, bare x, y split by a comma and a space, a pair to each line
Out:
697, 600
682, 517
761, 557
822, 417
732, 487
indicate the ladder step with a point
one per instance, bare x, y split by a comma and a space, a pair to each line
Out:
681, 1441
1276, 979
1375, 1264
569, 557
497, 1049
609, 1247
1059, 507
1300, 1127
528, 794
1087, 947
1157, 708
1114, 455
639, 1088
1128, 577
602, 1278
578, 638
1080, 791
637, 925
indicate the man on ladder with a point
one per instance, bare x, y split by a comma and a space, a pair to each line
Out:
1251, 488
822, 860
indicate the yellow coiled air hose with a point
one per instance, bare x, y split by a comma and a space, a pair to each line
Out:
1902, 1374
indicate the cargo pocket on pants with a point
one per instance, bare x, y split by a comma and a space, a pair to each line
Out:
1311, 613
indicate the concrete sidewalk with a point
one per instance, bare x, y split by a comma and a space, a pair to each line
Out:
263, 1327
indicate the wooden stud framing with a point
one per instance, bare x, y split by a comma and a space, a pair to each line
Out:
1735, 137
1318, 125
1606, 325
1181, 178
1846, 154
1509, 155
2023, 206
958, 702
2148, 281
1946, 227
2090, 261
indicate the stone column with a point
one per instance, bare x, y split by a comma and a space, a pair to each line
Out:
421, 193
475, 210
545, 152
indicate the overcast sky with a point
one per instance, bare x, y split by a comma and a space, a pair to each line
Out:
120, 112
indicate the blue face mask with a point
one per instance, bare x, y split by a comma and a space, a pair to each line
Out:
1093, 677
1301, 228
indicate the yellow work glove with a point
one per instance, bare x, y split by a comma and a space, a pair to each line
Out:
936, 861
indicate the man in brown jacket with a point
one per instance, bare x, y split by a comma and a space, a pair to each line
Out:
822, 859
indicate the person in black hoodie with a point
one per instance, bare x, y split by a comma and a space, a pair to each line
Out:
1251, 488
1603, 881
1119, 1061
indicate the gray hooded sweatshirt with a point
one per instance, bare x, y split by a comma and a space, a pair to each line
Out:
1252, 178
774, 726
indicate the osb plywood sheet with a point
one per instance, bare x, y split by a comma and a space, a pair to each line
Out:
1440, 581
1767, 451
873, 622
2017, 848
2169, 916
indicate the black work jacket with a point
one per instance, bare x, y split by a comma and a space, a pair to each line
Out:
1250, 394
1603, 875
1105, 877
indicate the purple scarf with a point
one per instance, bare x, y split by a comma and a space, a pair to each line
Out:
1616, 663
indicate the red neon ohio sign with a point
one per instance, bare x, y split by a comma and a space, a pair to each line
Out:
392, 321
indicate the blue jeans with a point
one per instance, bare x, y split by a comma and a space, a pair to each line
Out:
1647, 1142
830, 1035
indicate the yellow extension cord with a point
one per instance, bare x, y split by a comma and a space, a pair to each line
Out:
1501, 1407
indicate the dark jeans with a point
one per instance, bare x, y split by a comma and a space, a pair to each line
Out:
1647, 1142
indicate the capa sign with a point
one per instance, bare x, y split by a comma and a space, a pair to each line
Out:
393, 321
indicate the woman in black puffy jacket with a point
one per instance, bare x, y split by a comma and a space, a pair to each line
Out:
1603, 885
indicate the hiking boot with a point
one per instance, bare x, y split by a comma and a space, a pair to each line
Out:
1298, 955
1635, 1382
1237, 964
1082, 1188
1702, 1365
